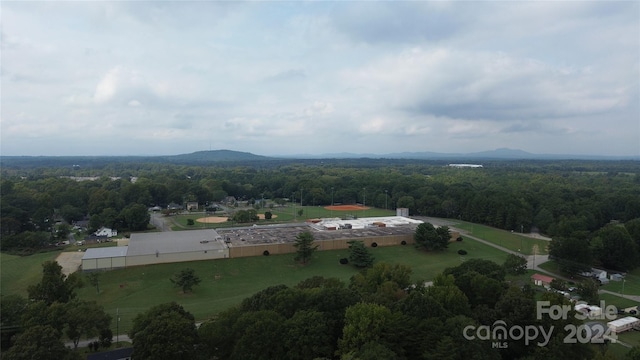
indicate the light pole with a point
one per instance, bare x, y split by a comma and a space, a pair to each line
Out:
385, 199
364, 197
117, 325
301, 196
332, 201
293, 202
364, 200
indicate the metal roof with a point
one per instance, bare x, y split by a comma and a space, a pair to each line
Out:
624, 321
105, 252
174, 242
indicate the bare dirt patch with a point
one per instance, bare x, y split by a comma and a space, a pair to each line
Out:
70, 261
212, 219
219, 219
346, 207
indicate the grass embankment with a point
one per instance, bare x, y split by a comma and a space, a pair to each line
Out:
226, 282
18, 272
507, 239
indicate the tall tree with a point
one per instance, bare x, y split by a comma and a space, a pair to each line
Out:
359, 255
515, 264
617, 249
164, 332
364, 323
94, 280
308, 336
41, 342
186, 279
383, 283
86, 319
429, 238
573, 254
305, 247
54, 285
136, 217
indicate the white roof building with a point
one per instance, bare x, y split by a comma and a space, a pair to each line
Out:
624, 324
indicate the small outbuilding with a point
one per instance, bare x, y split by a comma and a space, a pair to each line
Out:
624, 324
542, 280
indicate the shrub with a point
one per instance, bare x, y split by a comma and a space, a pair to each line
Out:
344, 261
462, 252
403, 242
190, 222
374, 244
459, 238
265, 253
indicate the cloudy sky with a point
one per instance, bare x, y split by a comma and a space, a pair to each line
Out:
276, 78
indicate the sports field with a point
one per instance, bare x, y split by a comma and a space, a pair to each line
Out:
226, 282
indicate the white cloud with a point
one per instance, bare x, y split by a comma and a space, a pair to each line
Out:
280, 77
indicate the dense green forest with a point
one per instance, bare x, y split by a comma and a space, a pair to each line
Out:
563, 199
590, 208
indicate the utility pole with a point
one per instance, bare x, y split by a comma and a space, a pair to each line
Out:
117, 325
385, 199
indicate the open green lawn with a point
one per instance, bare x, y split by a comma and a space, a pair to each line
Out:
282, 215
617, 301
226, 282
18, 272
507, 239
631, 284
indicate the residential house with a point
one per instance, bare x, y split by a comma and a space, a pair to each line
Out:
104, 231
192, 205
542, 280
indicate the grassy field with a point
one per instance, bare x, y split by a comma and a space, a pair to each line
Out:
617, 301
18, 272
631, 284
283, 215
226, 282
507, 239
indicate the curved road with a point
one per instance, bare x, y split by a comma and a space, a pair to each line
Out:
160, 221
533, 262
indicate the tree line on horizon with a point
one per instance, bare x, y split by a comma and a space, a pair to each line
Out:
559, 199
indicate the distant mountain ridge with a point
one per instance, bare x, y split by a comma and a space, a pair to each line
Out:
218, 155
231, 156
497, 154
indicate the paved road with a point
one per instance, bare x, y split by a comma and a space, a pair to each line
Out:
160, 222
533, 262
630, 297
85, 343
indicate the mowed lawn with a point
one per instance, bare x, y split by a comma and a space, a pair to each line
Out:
631, 285
510, 240
281, 215
18, 272
226, 282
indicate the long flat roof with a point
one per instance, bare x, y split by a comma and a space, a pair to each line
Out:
174, 242
324, 229
105, 252
624, 321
